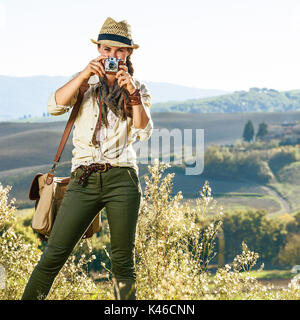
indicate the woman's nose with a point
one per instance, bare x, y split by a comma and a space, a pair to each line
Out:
113, 55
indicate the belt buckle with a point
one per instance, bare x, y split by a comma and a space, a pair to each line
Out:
105, 168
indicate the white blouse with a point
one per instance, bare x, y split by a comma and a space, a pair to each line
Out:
100, 136
117, 143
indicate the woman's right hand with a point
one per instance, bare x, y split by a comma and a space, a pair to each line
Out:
94, 67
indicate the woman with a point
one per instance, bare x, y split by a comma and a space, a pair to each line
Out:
115, 110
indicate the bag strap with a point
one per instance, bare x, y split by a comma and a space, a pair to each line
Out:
83, 88
71, 120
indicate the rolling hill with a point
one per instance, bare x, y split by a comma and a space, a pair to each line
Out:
26, 148
41, 139
254, 100
21, 96
17, 99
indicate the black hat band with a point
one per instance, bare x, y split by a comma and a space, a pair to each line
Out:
114, 37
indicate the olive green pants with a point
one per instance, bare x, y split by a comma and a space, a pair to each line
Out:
119, 191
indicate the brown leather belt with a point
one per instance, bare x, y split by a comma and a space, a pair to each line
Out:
94, 167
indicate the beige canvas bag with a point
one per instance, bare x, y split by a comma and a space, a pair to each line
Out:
48, 191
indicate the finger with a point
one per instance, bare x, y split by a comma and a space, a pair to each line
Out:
123, 78
96, 62
124, 67
122, 83
121, 72
97, 71
98, 65
121, 75
100, 58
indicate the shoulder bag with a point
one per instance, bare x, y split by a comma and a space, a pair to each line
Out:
48, 191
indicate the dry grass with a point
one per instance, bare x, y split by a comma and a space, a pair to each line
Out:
175, 244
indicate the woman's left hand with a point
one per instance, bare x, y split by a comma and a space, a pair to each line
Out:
125, 79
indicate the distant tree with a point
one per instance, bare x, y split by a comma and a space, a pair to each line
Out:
262, 234
262, 130
294, 225
290, 254
248, 133
282, 158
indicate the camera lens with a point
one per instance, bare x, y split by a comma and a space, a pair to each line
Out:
111, 65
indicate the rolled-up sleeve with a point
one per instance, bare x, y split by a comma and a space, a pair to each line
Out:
56, 109
144, 134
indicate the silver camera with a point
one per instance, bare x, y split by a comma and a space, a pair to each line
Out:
112, 65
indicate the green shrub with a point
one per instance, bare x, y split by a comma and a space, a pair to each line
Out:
289, 255
175, 244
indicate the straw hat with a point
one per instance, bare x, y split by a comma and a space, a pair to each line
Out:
116, 34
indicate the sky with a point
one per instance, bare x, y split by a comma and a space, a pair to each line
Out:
210, 44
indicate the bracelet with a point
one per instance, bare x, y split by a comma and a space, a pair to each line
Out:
135, 98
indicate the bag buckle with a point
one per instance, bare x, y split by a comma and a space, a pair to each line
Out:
53, 167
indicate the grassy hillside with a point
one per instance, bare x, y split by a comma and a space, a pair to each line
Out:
232, 189
34, 144
26, 148
254, 100
17, 100
31, 147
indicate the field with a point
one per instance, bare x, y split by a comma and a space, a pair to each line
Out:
26, 148
42, 139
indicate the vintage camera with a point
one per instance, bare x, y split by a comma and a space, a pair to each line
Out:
112, 65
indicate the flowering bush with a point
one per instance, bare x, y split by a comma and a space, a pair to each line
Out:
19, 256
175, 244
